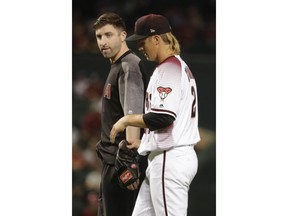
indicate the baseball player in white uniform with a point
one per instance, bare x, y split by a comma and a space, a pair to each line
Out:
170, 122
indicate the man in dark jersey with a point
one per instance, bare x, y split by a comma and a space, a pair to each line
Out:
123, 94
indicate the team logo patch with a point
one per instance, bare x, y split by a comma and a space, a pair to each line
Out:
107, 92
126, 176
163, 93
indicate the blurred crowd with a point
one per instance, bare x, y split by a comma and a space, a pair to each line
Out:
193, 23
86, 166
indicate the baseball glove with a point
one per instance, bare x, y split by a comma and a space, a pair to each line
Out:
127, 164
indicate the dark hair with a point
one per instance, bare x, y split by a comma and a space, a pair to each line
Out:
110, 18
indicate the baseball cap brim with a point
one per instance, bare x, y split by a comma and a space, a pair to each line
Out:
135, 37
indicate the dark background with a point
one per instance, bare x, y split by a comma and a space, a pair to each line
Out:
194, 24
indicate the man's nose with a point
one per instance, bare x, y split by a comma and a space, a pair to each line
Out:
102, 42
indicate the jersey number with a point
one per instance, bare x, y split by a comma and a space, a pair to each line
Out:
193, 113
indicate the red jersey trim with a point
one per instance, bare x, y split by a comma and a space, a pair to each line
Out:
171, 59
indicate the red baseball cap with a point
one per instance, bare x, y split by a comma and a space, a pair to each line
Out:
148, 25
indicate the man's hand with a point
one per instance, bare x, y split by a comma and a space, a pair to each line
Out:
134, 144
117, 127
127, 166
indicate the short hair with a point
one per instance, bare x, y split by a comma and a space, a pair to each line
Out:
110, 18
172, 41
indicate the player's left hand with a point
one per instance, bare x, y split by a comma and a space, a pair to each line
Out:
134, 186
127, 166
117, 127
134, 144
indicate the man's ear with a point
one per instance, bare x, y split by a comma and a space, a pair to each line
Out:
156, 39
123, 35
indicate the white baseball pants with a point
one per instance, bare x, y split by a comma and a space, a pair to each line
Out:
164, 192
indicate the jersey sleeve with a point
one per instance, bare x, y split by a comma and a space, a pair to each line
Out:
157, 121
131, 89
167, 90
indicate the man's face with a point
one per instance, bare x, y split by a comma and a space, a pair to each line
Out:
109, 41
147, 47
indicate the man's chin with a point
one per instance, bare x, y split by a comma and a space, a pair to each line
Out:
106, 55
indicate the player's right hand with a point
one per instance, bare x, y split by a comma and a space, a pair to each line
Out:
117, 127
134, 144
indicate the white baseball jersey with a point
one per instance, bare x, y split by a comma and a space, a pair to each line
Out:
172, 90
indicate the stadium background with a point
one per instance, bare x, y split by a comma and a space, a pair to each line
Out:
194, 24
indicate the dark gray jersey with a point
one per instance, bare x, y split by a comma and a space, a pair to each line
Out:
124, 93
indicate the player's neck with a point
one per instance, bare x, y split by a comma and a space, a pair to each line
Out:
164, 55
124, 48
